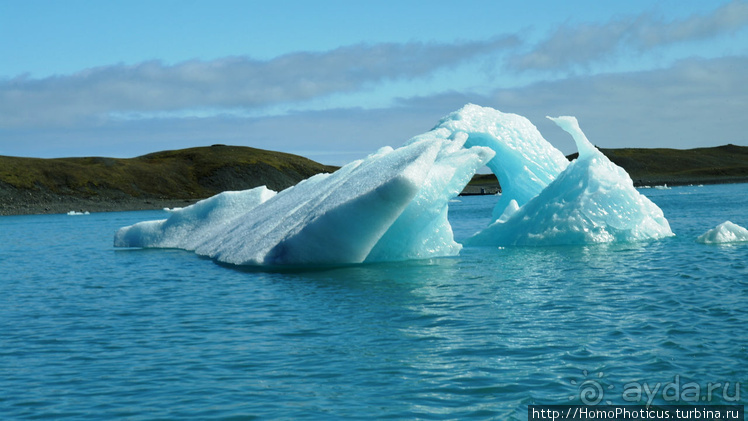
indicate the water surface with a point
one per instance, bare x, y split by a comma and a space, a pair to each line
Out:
92, 332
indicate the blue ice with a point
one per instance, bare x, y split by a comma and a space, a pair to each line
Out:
392, 205
591, 201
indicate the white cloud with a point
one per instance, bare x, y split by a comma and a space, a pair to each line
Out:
234, 82
726, 19
694, 103
574, 46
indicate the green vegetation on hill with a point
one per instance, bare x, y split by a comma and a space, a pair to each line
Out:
179, 177
721, 164
146, 181
649, 167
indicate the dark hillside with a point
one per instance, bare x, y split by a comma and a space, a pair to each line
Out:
180, 177
169, 178
721, 164
650, 167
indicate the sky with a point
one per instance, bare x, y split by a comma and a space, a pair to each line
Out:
337, 80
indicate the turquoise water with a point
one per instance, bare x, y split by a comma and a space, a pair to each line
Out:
92, 332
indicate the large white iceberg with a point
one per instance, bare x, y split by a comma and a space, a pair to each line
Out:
726, 232
393, 204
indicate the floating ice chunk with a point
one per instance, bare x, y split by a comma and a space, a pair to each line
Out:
525, 163
389, 206
75, 213
726, 232
591, 201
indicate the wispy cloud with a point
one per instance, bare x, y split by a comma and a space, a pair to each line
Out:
573, 46
235, 82
696, 102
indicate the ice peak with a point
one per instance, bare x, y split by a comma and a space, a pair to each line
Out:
570, 125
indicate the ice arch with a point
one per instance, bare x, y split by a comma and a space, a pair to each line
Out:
524, 162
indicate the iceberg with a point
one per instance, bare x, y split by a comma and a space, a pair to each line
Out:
591, 201
393, 204
726, 232
76, 213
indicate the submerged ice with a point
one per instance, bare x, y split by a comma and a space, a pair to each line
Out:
393, 204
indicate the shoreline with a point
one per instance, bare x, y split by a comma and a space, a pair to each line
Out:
65, 205
178, 178
29, 203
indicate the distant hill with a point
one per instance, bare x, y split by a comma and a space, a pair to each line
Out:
650, 167
169, 178
181, 177
721, 164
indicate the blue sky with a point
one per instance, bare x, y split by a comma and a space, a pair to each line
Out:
336, 80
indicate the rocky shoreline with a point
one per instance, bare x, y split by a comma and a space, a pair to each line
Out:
65, 204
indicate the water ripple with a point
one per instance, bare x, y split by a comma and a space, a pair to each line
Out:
89, 332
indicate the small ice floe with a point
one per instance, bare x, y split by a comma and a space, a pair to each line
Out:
726, 232
172, 209
662, 187
75, 213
